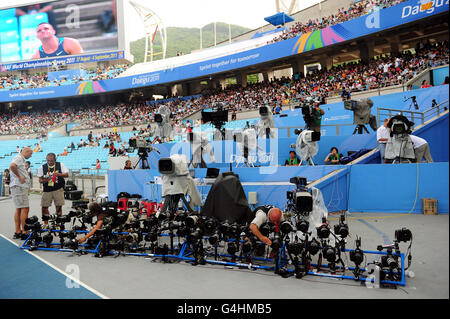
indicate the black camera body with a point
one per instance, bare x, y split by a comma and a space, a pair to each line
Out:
403, 235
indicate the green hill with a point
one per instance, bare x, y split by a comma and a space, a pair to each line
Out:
186, 39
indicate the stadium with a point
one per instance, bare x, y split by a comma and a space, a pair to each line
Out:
295, 160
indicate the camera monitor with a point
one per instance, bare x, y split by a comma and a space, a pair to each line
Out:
166, 166
158, 118
399, 128
303, 202
217, 116
132, 143
212, 172
263, 110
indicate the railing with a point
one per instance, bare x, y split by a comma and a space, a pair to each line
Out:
419, 118
337, 127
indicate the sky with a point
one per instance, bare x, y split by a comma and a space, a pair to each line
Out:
198, 13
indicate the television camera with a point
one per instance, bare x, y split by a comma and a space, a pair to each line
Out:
217, 117
361, 115
306, 145
266, 124
399, 146
144, 146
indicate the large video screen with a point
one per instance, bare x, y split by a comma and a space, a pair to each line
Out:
57, 28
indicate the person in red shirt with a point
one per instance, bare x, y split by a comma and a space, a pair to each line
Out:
425, 84
98, 165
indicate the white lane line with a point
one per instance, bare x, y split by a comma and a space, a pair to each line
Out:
59, 270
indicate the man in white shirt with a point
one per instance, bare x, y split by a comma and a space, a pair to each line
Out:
51, 176
19, 185
263, 214
421, 149
383, 134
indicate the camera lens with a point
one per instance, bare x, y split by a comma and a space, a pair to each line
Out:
313, 247
286, 227
246, 247
296, 248
31, 220
329, 253
232, 248
213, 239
302, 225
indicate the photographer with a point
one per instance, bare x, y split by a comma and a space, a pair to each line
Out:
263, 214
96, 210
51, 176
317, 114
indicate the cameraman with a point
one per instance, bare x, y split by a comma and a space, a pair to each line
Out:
382, 138
263, 214
96, 210
421, 149
317, 114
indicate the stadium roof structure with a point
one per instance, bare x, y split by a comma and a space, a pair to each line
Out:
279, 18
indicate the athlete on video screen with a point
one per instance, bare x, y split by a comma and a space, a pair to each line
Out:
53, 46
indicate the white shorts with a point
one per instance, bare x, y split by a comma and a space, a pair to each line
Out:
20, 196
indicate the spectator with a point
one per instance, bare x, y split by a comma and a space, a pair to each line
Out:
293, 160
64, 153
112, 150
127, 165
28, 168
98, 165
333, 157
19, 186
6, 181
383, 134
425, 84
421, 149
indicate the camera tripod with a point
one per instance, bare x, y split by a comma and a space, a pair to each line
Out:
413, 102
308, 162
360, 129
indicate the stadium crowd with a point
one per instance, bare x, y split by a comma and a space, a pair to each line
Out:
355, 10
14, 82
351, 77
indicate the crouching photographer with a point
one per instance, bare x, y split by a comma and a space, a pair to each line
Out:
95, 209
264, 214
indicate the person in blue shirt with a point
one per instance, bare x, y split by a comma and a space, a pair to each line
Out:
53, 46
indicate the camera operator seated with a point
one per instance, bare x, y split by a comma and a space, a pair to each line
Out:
293, 160
421, 149
333, 157
96, 210
264, 214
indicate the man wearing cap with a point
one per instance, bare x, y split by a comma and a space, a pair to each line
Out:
264, 214
51, 176
19, 186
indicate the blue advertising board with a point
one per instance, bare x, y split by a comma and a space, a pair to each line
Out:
377, 21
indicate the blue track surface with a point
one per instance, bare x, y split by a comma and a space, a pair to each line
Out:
23, 276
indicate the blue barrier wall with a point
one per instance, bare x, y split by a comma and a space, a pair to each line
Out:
357, 188
436, 134
439, 75
392, 188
